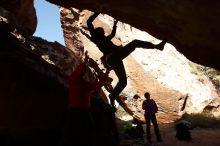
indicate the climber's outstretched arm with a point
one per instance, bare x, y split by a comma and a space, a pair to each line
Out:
113, 30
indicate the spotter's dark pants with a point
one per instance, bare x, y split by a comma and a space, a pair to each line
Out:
152, 118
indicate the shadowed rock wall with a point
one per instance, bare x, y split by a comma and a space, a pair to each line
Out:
34, 90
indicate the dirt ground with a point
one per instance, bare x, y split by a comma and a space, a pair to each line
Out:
200, 137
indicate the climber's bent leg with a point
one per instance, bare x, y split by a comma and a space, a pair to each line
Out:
122, 83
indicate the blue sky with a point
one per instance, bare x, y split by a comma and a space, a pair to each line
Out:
49, 26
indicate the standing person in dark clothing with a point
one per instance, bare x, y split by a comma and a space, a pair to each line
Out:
79, 123
151, 109
113, 55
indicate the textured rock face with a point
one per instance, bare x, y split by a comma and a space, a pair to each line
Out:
191, 26
24, 13
161, 73
71, 25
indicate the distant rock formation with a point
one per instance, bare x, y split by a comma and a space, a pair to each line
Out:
165, 74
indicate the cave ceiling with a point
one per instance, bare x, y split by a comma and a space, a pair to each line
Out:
193, 27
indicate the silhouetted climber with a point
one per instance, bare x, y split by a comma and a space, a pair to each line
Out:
151, 109
79, 126
113, 55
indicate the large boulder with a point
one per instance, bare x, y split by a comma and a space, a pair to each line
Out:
191, 26
34, 89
